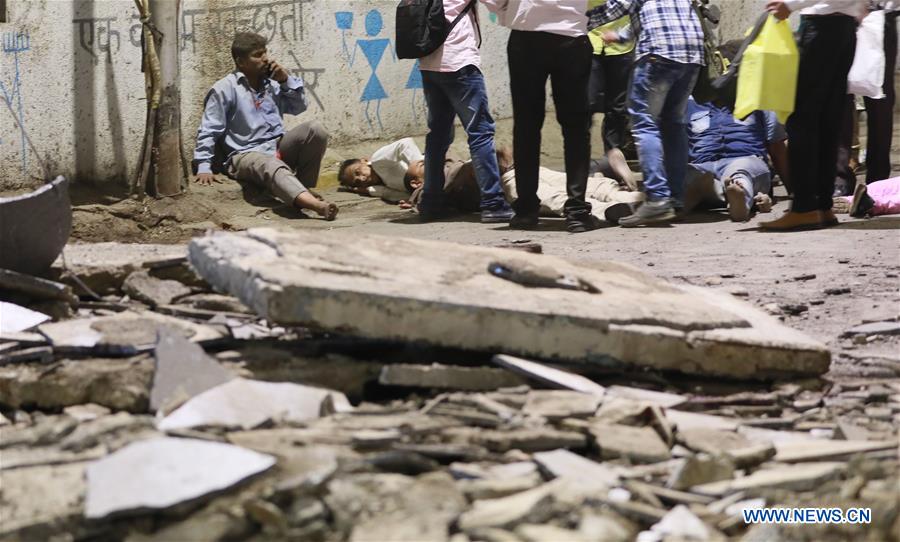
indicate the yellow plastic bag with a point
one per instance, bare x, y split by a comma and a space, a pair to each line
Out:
767, 79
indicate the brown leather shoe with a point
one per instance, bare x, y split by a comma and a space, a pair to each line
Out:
791, 221
828, 219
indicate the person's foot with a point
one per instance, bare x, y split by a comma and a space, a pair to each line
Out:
620, 167
328, 211
862, 202
793, 221
762, 202
524, 221
582, 223
737, 201
616, 212
649, 212
828, 219
497, 216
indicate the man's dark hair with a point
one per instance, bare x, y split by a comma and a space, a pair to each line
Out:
245, 43
343, 169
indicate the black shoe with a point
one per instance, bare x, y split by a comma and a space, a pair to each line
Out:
426, 216
862, 202
582, 223
497, 216
616, 212
524, 221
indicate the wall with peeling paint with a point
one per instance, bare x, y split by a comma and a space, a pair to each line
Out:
71, 70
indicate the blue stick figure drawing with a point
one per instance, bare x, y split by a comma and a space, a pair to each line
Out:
344, 21
13, 44
414, 83
373, 49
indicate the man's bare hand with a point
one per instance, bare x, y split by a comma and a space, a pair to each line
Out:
278, 72
779, 9
206, 179
610, 37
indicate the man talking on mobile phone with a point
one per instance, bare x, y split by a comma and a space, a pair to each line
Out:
242, 124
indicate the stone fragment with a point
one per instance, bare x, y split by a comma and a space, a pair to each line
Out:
681, 524
408, 463
182, 370
701, 469
606, 526
495, 488
493, 534
821, 450
44, 431
35, 287
159, 473
300, 464
343, 281
214, 302
563, 463
14, 318
638, 444
671, 496
530, 440
119, 384
40, 354
801, 477
449, 377
875, 328
153, 291
103, 430
549, 375
738, 447
662, 399
87, 412
103, 267
534, 505
246, 404
542, 533
37, 498
558, 404
267, 515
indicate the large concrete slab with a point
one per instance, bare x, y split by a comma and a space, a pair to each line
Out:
441, 293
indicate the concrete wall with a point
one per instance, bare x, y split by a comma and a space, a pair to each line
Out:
71, 70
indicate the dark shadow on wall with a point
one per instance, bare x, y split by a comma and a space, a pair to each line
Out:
85, 125
116, 130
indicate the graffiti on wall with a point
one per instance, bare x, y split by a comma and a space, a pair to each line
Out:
14, 44
97, 35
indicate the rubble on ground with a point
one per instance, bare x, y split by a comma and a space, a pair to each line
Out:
140, 417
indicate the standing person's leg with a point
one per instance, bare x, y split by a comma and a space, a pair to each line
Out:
275, 176
467, 92
303, 148
597, 86
569, 80
527, 82
673, 124
615, 119
880, 113
845, 179
440, 135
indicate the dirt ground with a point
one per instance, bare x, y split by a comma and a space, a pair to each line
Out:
705, 249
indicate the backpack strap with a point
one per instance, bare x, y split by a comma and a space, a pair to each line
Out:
459, 17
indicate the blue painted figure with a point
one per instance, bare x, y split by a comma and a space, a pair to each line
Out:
344, 21
15, 43
414, 83
373, 49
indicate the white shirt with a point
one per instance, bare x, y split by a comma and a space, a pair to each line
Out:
853, 8
564, 17
461, 47
391, 163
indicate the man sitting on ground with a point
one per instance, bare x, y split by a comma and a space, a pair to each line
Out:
242, 119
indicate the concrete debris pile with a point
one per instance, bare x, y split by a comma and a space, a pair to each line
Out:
152, 408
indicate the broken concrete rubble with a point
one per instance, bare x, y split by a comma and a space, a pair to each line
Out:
182, 370
14, 318
447, 377
638, 444
319, 279
153, 291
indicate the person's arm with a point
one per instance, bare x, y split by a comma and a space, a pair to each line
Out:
496, 6
782, 9
212, 127
623, 35
290, 94
778, 154
608, 12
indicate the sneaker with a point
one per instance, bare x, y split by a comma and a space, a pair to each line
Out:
582, 223
649, 212
862, 202
616, 212
524, 221
497, 216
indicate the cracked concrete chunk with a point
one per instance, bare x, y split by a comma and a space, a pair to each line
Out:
638, 444
549, 375
447, 377
681, 524
559, 404
182, 370
153, 291
361, 285
247, 404
739, 448
801, 477
103, 267
542, 533
534, 505
563, 463
39, 500
530, 440
818, 450
14, 318
159, 473
701, 469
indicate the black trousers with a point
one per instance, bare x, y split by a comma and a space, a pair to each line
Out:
533, 57
880, 113
608, 91
827, 44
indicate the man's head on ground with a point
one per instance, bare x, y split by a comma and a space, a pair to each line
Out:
356, 173
250, 54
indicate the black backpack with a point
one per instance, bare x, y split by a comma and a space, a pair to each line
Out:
422, 27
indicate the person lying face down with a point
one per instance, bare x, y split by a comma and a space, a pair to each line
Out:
392, 173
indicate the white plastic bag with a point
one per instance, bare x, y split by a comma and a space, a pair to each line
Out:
866, 76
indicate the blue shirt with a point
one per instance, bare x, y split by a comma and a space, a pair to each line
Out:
667, 28
248, 120
715, 134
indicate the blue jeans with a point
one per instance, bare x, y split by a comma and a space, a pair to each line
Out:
657, 103
750, 172
450, 94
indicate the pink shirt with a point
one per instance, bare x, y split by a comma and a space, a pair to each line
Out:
461, 48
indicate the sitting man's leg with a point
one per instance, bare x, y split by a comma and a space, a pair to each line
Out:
302, 149
741, 179
276, 177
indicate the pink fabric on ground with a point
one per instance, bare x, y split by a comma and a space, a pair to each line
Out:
886, 194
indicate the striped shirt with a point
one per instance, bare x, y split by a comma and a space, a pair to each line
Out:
667, 28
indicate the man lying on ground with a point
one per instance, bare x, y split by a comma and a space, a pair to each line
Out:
875, 199
395, 173
242, 125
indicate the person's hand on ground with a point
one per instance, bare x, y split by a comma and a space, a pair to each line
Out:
403, 204
206, 179
779, 9
763, 202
